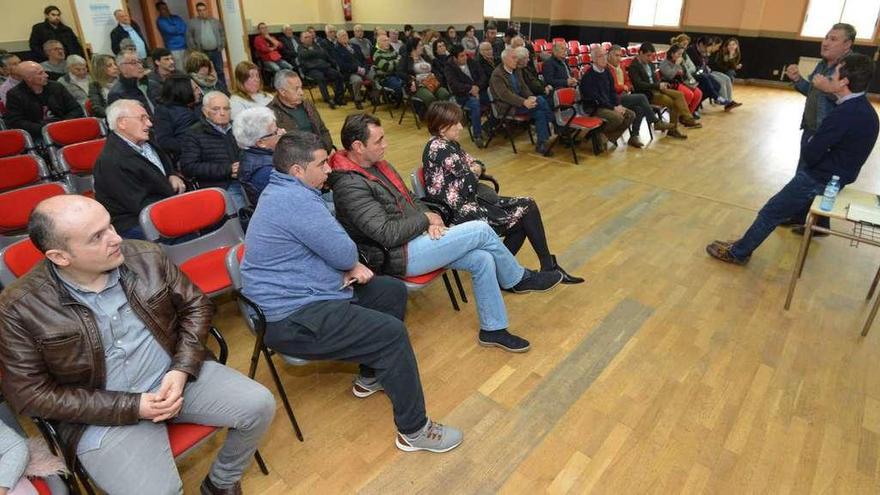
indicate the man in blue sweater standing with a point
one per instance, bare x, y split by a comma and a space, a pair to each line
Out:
173, 29
840, 146
320, 302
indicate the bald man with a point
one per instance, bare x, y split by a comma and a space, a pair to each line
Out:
106, 338
132, 172
38, 101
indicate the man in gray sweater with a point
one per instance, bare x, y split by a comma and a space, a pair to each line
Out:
301, 268
205, 34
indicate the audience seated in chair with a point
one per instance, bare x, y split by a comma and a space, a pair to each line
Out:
303, 271
56, 64
681, 78
359, 40
110, 392
486, 59
176, 112
248, 90
498, 44
105, 72
721, 77
399, 235
525, 65
52, 28
420, 79
438, 64
318, 65
209, 154
257, 135
386, 61
294, 113
510, 91
469, 41
289, 46
352, 65
133, 83
465, 78
77, 80
645, 81
637, 102
38, 101
452, 177
556, 71
132, 172
164, 65
9, 62
597, 88
201, 70
729, 59
268, 49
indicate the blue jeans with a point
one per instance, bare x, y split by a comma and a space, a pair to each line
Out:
472, 105
792, 201
216, 57
236, 195
542, 115
476, 248
806, 135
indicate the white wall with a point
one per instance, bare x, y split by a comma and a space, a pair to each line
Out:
96, 19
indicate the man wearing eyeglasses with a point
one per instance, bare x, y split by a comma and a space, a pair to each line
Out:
132, 171
209, 153
133, 83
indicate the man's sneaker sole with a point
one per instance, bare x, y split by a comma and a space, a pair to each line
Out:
502, 346
409, 448
363, 392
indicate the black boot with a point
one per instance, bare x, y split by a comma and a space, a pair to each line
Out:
566, 278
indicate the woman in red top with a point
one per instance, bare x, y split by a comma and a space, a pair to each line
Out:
636, 102
267, 48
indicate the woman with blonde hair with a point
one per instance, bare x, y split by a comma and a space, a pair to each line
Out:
248, 91
105, 72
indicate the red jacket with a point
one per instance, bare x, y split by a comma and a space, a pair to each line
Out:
625, 84
266, 52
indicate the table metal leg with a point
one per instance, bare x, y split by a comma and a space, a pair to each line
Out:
802, 256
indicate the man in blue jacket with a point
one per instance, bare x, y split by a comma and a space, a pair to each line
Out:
173, 29
840, 147
303, 271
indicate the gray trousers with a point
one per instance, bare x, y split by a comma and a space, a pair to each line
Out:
136, 459
357, 81
726, 83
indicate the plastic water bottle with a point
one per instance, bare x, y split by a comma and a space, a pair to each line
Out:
830, 194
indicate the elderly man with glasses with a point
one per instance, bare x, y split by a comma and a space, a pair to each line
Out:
132, 171
133, 83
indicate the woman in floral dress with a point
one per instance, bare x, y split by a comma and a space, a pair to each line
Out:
452, 178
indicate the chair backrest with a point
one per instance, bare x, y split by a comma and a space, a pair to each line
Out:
572, 61
417, 179
564, 101
21, 170
233, 265
16, 205
594, 46
15, 142
191, 214
65, 132
78, 160
574, 47
17, 259
584, 58
582, 49
607, 45
558, 40
539, 66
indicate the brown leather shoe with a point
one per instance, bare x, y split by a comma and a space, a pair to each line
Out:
208, 488
635, 142
675, 133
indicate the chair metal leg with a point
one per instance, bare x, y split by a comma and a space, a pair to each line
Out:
415, 115
449, 291
261, 463
460, 287
282, 393
509, 131
873, 285
402, 114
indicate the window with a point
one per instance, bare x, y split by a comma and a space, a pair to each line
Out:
822, 14
655, 12
496, 9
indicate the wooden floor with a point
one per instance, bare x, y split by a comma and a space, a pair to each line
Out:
667, 372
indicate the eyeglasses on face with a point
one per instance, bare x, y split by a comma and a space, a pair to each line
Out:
143, 118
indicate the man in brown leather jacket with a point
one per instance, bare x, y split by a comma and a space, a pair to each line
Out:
106, 339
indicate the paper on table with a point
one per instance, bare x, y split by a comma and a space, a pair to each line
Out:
859, 213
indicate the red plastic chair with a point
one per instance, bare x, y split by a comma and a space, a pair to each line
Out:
574, 47
17, 259
15, 142
77, 161
16, 207
584, 59
572, 123
583, 49
633, 49
607, 45
508, 122
558, 40
194, 216
22, 170
66, 132
572, 61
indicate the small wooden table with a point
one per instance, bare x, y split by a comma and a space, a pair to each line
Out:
846, 197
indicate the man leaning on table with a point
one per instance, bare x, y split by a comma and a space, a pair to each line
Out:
840, 147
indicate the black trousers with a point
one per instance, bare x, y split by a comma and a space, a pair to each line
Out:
530, 226
367, 330
322, 76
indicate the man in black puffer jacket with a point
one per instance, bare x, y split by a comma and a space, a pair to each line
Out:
398, 235
37, 101
133, 83
209, 153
